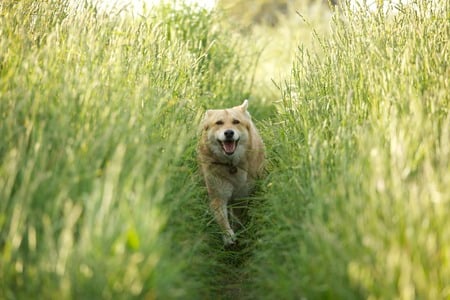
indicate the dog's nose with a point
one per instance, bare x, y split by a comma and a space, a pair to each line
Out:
229, 134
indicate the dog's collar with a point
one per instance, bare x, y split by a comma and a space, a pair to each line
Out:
232, 169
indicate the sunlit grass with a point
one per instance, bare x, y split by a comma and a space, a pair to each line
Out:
357, 205
275, 46
99, 189
99, 116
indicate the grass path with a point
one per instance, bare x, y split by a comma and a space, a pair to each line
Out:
99, 188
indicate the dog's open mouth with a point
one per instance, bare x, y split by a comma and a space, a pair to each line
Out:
229, 146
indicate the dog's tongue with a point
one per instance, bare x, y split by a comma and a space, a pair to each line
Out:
229, 147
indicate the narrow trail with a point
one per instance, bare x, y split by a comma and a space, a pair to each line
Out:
232, 282
233, 277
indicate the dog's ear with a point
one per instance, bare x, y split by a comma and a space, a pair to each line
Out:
244, 105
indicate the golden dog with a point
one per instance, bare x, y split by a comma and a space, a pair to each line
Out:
231, 157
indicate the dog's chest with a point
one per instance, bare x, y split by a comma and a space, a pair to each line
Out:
240, 183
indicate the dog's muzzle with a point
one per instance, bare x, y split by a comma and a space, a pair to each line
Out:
229, 144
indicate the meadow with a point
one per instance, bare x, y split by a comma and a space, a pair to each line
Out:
100, 194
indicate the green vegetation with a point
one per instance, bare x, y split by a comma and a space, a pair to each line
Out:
100, 196
358, 202
99, 114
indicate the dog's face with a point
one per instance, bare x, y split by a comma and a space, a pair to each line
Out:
227, 130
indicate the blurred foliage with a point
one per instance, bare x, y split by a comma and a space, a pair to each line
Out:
357, 205
265, 12
97, 177
100, 197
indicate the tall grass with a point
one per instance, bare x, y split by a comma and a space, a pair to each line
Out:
275, 44
99, 195
357, 204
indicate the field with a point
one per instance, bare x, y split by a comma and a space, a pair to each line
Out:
100, 194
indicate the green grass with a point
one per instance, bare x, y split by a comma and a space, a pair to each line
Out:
357, 205
100, 195
99, 192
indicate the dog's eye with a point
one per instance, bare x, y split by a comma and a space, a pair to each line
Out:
236, 122
220, 122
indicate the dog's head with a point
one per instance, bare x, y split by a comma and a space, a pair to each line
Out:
227, 130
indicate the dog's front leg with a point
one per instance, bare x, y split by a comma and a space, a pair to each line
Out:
219, 208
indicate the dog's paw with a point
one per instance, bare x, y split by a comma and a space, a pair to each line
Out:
229, 239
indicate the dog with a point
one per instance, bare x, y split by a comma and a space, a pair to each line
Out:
231, 157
